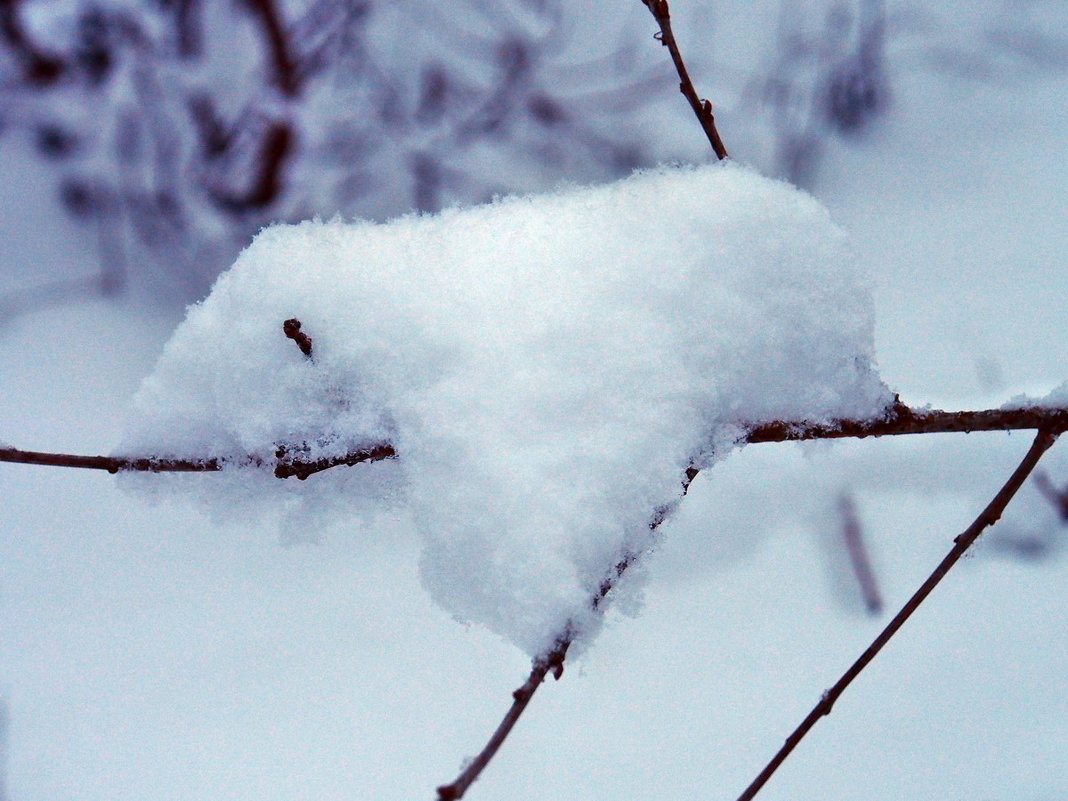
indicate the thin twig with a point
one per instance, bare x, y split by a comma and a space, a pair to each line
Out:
859, 561
900, 420
1057, 497
552, 662
990, 515
285, 465
903, 420
702, 108
279, 46
520, 698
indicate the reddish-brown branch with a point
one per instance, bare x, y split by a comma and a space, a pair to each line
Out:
520, 698
553, 662
113, 464
901, 420
702, 108
285, 465
990, 515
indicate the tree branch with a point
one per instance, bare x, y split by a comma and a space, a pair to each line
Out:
520, 698
903, 420
286, 73
990, 515
900, 420
553, 661
702, 108
285, 465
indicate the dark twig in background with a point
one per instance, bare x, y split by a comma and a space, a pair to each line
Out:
1058, 497
275, 34
859, 560
702, 108
989, 516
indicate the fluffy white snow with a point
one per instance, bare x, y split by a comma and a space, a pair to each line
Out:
546, 367
1056, 398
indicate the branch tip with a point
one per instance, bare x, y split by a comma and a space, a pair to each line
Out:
291, 328
662, 14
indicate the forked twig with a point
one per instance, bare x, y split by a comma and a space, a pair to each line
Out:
900, 419
1051, 422
990, 515
702, 108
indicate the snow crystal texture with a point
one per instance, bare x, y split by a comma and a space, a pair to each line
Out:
546, 367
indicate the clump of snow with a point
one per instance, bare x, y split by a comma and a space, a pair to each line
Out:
546, 367
1056, 398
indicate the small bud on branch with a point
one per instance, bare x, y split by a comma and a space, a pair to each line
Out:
701, 108
291, 327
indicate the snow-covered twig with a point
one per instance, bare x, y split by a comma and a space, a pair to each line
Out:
905, 420
900, 420
552, 662
285, 465
990, 515
702, 108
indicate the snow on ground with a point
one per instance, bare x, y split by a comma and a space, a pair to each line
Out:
149, 653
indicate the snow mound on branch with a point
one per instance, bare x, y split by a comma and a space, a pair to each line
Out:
546, 367
1056, 398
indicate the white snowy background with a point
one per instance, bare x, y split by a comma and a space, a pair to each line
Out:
148, 651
